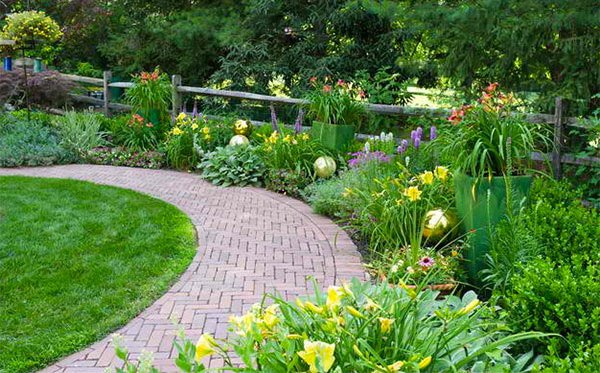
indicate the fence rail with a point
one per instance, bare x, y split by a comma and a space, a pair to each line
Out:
557, 119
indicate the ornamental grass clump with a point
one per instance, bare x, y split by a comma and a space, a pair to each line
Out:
338, 103
150, 96
477, 135
362, 328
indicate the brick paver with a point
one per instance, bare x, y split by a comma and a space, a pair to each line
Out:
250, 241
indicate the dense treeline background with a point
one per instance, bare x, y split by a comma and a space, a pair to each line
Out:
551, 47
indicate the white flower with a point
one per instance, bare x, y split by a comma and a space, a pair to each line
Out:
367, 147
407, 161
595, 143
394, 268
410, 270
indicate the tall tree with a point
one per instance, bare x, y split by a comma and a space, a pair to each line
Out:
548, 46
296, 39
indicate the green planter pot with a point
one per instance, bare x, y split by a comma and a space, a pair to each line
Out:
478, 213
333, 136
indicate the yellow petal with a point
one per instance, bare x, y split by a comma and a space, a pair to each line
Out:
425, 362
204, 347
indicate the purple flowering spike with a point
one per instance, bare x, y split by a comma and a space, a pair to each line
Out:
417, 142
420, 132
195, 110
403, 146
274, 119
298, 124
432, 133
413, 135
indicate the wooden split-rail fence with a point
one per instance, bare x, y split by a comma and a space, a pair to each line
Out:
558, 120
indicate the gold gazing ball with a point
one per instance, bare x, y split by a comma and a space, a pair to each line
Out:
242, 127
438, 223
239, 140
324, 167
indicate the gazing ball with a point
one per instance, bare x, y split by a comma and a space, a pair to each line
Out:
324, 167
239, 140
242, 127
437, 224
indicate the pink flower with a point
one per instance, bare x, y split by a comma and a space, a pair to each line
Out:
491, 88
341, 83
426, 262
327, 88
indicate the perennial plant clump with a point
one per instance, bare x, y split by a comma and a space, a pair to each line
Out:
361, 327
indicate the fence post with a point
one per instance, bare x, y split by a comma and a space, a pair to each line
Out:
106, 78
558, 139
175, 95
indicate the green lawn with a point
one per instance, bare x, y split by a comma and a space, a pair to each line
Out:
78, 260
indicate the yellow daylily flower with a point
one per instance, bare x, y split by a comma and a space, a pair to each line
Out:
425, 362
205, 130
176, 131
354, 312
347, 290
304, 136
469, 307
287, 139
204, 347
334, 298
413, 193
194, 125
270, 318
396, 366
385, 324
313, 308
243, 323
441, 173
318, 353
426, 177
181, 116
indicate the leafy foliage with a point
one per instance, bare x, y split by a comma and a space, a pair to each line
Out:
546, 46
79, 132
363, 328
123, 157
32, 143
233, 165
46, 89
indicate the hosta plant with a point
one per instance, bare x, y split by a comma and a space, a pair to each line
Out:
233, 165
362, 328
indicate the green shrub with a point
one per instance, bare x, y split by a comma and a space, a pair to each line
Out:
557, 291
79, 132
558, 298
581, 360
32, 143
233, 165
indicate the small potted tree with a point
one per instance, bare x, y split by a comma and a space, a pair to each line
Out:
30, 30
490, 147
335, 110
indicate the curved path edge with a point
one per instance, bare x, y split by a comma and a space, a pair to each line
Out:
250, 241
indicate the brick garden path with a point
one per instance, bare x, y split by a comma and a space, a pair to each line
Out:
251, 241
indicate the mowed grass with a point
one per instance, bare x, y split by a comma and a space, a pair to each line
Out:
78, 260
